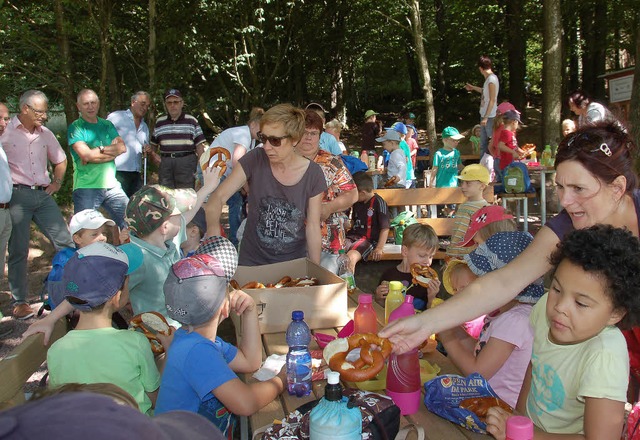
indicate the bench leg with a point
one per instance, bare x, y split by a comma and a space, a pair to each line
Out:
525, 209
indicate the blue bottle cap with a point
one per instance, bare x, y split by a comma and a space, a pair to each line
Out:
297, 315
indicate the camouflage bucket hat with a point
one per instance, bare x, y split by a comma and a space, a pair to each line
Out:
152, 205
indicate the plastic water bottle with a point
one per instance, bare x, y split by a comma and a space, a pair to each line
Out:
344, 270
394, 299
298, 357
373, 159
519, 428
403, 370
364, 318
331, 418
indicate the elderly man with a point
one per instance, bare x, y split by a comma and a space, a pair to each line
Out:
180, 142
29, 147
95, 143
135, 133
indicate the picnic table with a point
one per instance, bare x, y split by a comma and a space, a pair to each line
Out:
435, 427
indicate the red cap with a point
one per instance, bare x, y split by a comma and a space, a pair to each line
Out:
481, 218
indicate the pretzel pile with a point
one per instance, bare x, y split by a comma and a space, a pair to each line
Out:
283, 282
150, 324
222, 155
371, 359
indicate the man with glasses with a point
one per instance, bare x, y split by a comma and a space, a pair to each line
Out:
180, 142
29, 147
134, 131
95, 143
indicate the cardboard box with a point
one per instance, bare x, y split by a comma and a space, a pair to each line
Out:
324, 305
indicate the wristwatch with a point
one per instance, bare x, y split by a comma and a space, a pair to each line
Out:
101, 148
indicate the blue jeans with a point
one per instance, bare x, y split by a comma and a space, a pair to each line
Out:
27, 205
235, 216
114, 200
486, 132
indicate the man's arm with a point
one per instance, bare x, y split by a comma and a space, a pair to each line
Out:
200, 148
58, 176
95, 155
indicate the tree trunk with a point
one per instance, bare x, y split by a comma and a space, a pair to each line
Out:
151, 62
100, 13
70, 109
551, 72
517, 53
416, 30
634, 107
443, 56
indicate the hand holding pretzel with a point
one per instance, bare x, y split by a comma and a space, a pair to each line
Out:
221, 156
371, 359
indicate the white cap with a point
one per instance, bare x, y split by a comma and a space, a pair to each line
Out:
333, 377
88, 219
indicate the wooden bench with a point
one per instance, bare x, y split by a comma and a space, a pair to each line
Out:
428, 197
24, 360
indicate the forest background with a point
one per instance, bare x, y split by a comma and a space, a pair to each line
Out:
350, 55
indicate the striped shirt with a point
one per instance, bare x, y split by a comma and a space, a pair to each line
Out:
181, 135
462, 218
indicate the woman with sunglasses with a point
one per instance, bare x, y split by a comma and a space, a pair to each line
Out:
596, 183
285, 194
341, 191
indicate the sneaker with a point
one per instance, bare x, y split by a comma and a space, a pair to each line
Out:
23, 311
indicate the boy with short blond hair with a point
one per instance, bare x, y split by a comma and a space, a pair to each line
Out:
397, 166
94, 282
200, 371
473, 181
419, 245
369, 223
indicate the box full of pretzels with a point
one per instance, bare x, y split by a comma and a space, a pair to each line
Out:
279, 289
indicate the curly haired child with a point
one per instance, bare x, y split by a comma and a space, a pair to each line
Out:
577, 380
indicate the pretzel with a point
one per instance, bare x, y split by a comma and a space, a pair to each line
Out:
150, 324
480, 405
301, 282
234, 285
422, 274
392, 181
367, 366
253, 285
221, 162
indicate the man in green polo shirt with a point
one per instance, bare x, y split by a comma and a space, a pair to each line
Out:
95, 144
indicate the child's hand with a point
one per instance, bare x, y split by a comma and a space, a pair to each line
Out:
124, 236
241, 302
376, 254
166, 340
433, 289
382, 291
497, 422
211, 177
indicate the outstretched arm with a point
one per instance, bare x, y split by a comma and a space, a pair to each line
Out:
484, 295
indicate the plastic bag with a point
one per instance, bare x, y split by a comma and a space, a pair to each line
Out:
444, 394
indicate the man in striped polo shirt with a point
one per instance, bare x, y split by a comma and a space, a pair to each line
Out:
180, 142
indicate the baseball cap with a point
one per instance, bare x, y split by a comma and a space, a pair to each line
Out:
511, 115
390, 135
315, 105
152, 205
99, 417
88, 219
412, 127
497, 252
172, 92
399, 127
475, 172
222, 250
195, 289
481, 218
412, 116
95, 273
504, 107
451, 132
370, 113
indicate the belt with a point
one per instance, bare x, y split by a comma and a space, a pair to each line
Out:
4, 206
178, 154
20, 186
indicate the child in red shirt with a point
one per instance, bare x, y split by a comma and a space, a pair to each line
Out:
508, 144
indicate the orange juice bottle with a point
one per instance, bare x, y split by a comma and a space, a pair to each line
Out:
364, 317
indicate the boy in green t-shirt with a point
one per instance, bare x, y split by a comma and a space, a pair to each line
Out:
446, 161
95, 282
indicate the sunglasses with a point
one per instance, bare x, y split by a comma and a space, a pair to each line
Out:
275, 141
581, 140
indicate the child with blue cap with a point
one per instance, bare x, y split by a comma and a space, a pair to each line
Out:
95, 283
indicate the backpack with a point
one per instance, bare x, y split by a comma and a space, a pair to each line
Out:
515, 178
55, 274
400, 223
353, 164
